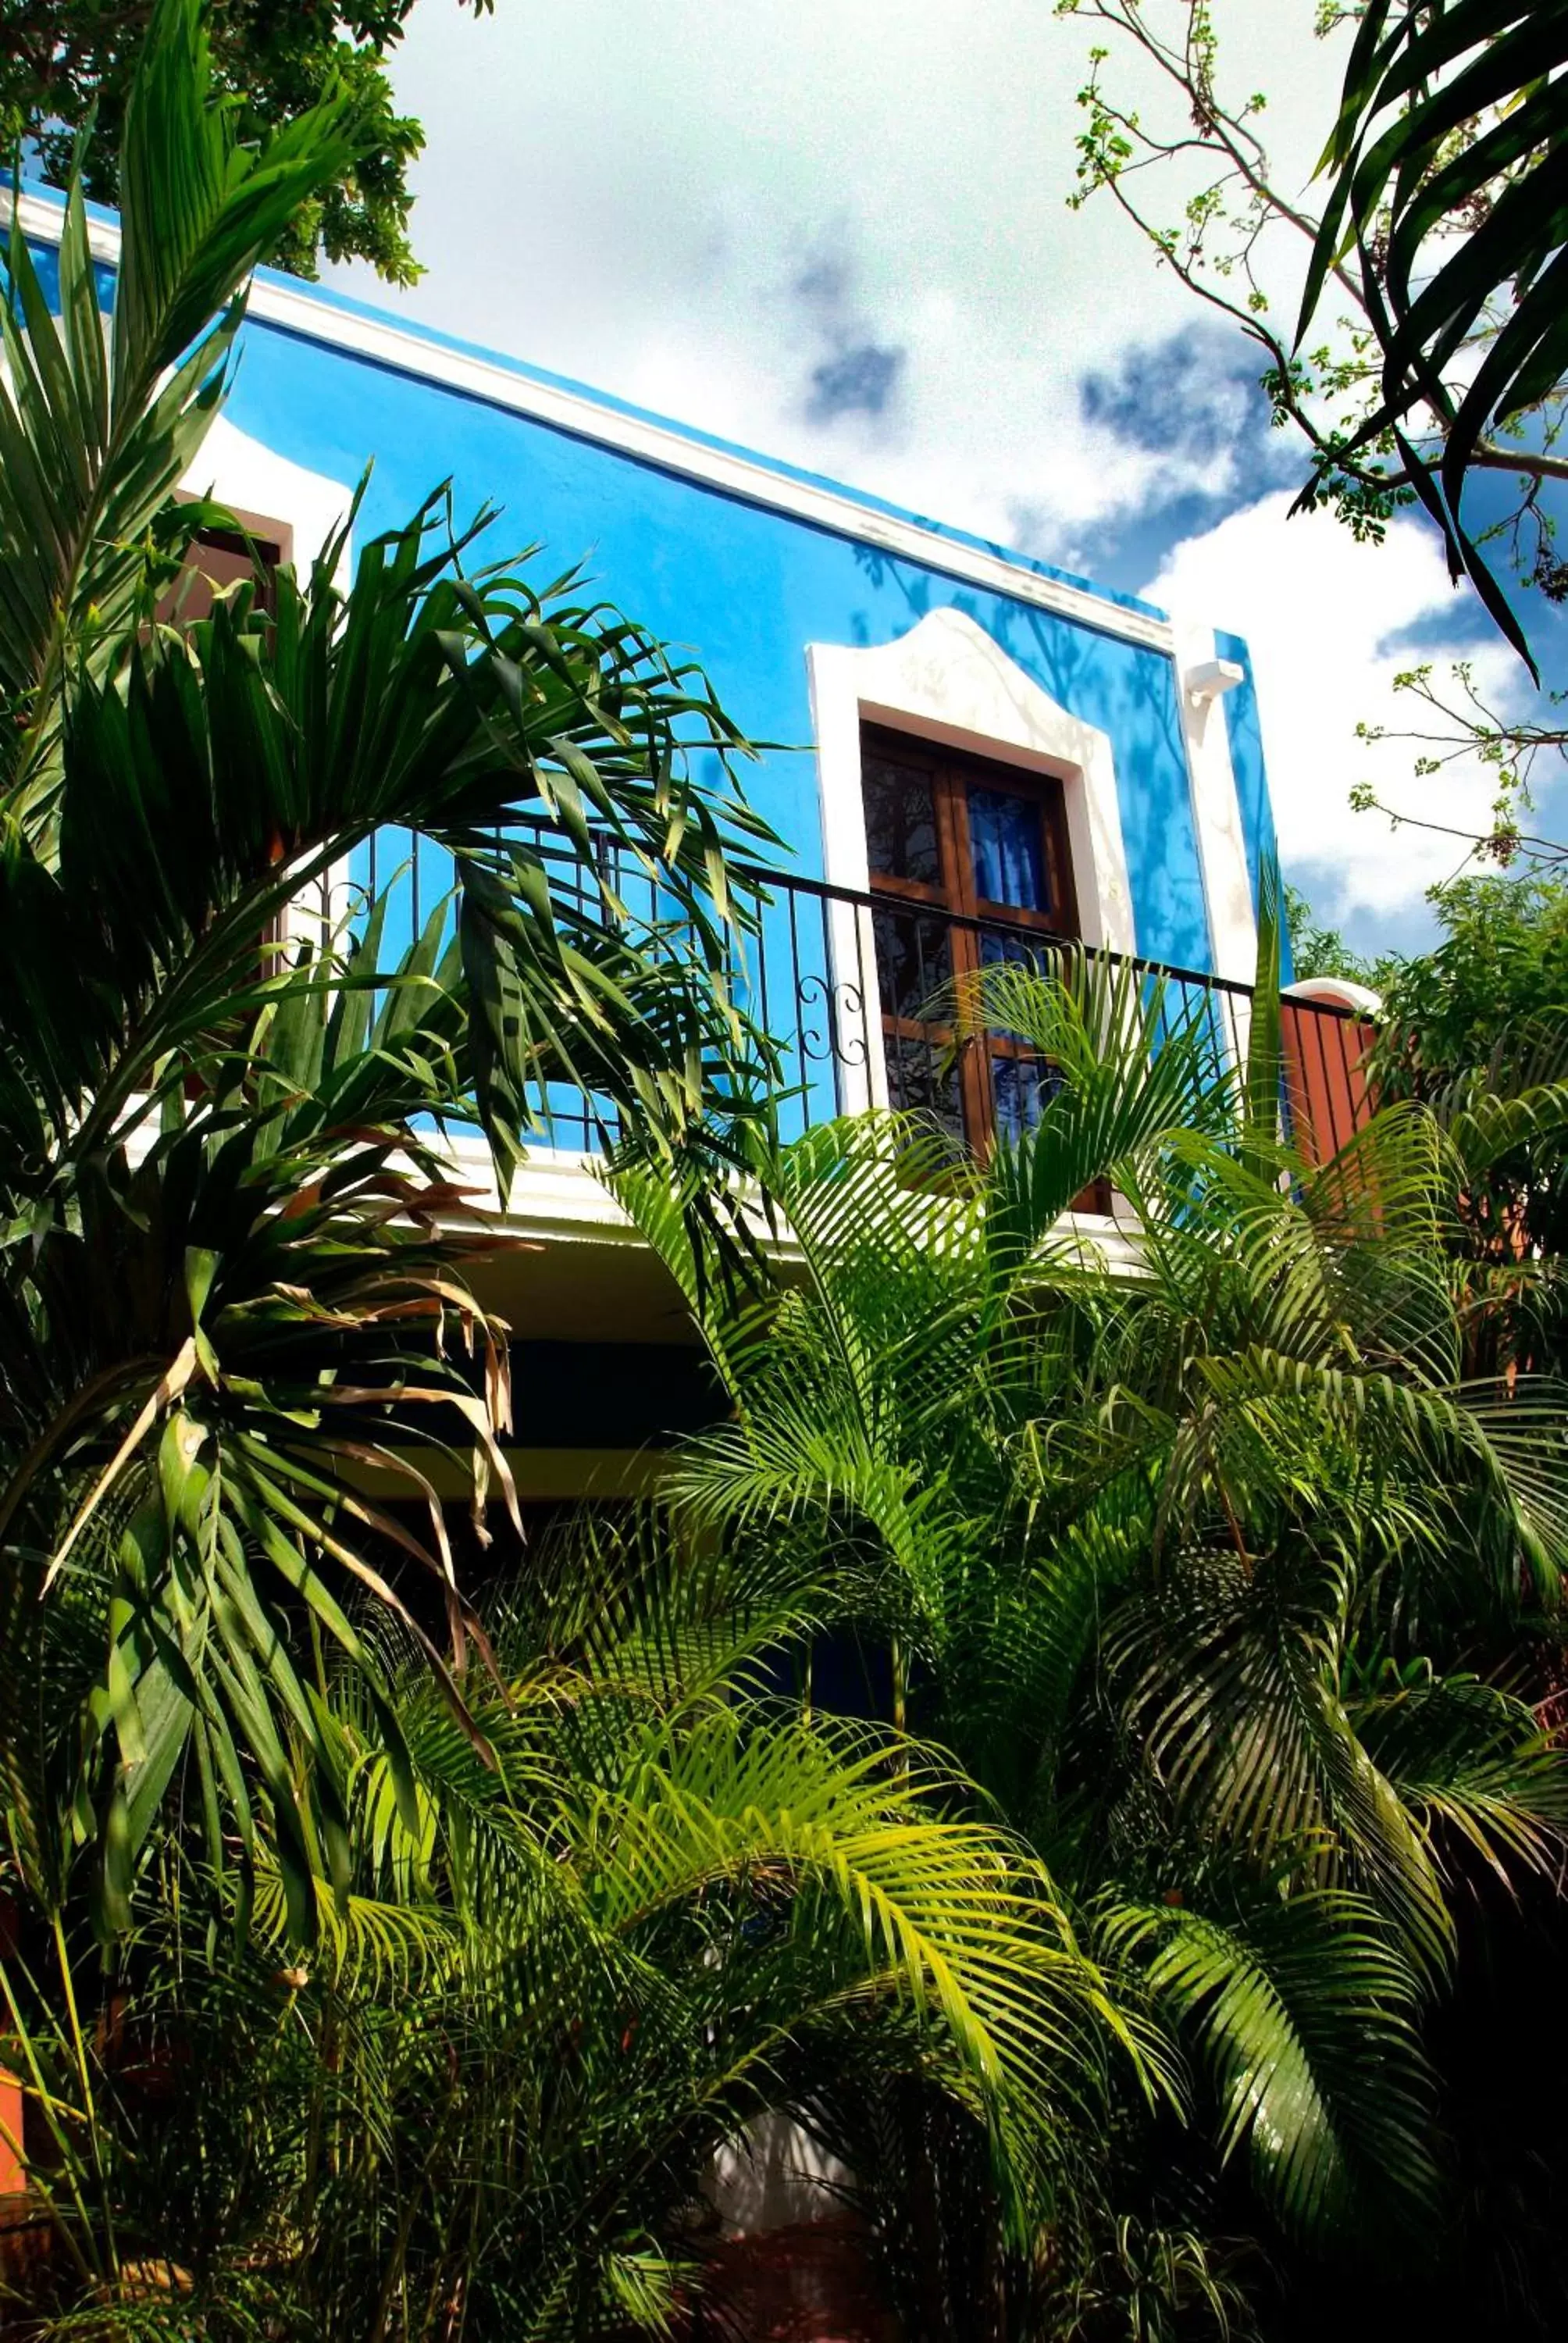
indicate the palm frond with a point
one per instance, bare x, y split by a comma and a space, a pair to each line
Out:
97, 428
1307, 2024
1472, 1763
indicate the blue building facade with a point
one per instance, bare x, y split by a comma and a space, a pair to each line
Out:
753, 564
949, 715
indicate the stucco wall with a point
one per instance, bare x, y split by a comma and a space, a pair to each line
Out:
331, 388
746, 588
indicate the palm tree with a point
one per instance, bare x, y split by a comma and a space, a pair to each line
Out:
1212, 1568
232, 1260
555, 1981
1441, 157
373, 1964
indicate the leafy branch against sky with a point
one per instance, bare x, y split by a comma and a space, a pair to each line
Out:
1396, 306
65, 62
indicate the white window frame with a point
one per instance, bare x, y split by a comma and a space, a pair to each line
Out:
946, 681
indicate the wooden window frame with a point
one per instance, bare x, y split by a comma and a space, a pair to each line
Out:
259, 545
952, 772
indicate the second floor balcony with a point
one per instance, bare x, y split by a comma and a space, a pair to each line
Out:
857, 992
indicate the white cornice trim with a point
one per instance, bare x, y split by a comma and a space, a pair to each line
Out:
385, 343
41, 222
558, 1198
250, 477
1337, 992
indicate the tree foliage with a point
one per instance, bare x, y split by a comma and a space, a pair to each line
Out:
1475, 1031
1497, 983
232, 1255
1445, 167
1320, 950
383, 1960
569, 1960
1478, 1029
67, 64
377, 1961
1221, 1575
1404, 307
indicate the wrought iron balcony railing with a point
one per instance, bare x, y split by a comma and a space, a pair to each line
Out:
845, 984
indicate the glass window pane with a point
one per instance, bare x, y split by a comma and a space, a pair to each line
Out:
998, 949
900, 821
1007, 850
923, 1074
914, 962
1022, 1088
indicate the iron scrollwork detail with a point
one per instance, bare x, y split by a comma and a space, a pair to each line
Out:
837, 1009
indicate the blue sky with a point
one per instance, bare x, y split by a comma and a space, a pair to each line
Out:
838, 230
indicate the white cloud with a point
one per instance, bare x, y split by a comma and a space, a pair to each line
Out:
1321, 616
631, 194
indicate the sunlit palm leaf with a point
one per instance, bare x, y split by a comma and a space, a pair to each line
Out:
1307, 2023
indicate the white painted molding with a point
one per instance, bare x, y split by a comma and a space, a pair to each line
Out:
946, 681
315, 317
1210, 680
251, 477
1216, 807
558, 1198
1338, 992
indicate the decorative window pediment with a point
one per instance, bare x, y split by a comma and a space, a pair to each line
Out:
946, 680
1025, 833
